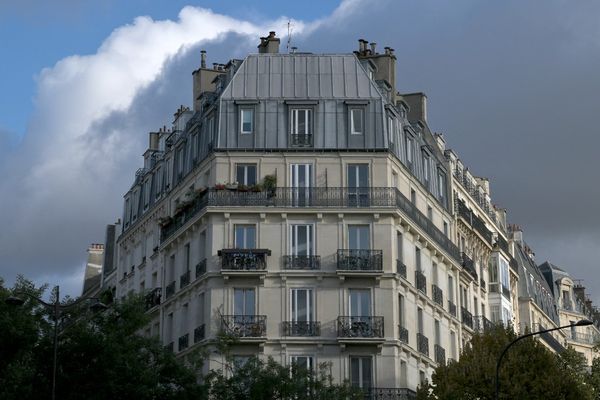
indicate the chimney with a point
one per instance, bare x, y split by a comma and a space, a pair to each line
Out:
202, 58
385, 63
579, 292
269, 44
153, 145
417, 104
517, 234
373, 46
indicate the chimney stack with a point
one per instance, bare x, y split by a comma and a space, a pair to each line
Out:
153, 145
385, 64
202, 58
269, 44
373, 46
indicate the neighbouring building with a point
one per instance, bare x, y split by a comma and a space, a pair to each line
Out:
304, 206
92, 279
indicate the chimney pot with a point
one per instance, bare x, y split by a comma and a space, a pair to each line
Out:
202, 58
373, 46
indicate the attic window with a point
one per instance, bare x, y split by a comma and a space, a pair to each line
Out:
357, 121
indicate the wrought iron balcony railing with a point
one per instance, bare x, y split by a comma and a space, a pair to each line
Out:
359, 260
473, 221
301, 140
585, 338
438, 295
376, 393
199, 333
184, 279
316, 197
245, 325
502, 244
170, 346
401, 268
482, 284
170, 290
468, 265
421, 282
439, 354
403, 334
301, 328
452, 308
422, 344
184, 341
201, 268
466, 317
244, 259
302, 262
482, 324
360, 327
152, 298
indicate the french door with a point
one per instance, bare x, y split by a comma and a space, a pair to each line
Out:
301, 178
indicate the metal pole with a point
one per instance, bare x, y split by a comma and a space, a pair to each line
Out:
54, 362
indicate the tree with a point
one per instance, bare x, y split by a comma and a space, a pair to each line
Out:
528, 371
100, 356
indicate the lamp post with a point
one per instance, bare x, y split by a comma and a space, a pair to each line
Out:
57, 310
583, 322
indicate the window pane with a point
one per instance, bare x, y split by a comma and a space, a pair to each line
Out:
247, 116
366, 373
357, 120
355, 372
249, 302
238, 302
302, 122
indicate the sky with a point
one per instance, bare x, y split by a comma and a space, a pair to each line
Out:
512, 85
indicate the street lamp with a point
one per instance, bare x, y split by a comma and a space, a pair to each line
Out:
57, 310
583, 322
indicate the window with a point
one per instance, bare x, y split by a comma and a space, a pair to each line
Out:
301, 121
245, 174
358, 185
187, 257
169, 328
450, 288
244, 302
445, 228
430, 213
399, 246
180, 160
442, 186
357, 121
301, 176
438, 335
426, 167
245, 236
183, 323
361, 374
305, 362
401, 311
302, 240
408, 144
403, 374
240, 361
200, 311
302, 305
394, 180
418, 259
146, 193
358, 237
246, 120
391, 131
453, 345
420, 320
158, 182
360, 303
413, 196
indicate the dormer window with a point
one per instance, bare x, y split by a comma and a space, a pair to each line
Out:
357, 121
246, 121
301, 121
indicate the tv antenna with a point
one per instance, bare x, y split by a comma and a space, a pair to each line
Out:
289, 35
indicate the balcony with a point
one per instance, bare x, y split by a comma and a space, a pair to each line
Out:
421, 282
360, 327
244, 259
170, 347
452, 308
376, 393
245, 326
468, 265
482, 284
302, 262
301, 328
422, 344
184, 341
301, 140
356, 260
482, 324
201, 268
438, 295
473, 221
403, 334
152, 298
502, 244
315, 197
439, 354
184, 279
401, 268
199, 333
170, 290
466, 317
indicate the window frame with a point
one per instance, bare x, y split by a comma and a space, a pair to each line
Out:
244, 226
244, 110
353, 131
245, 169
294, 119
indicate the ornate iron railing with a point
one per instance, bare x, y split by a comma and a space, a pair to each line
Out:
245, 325
359, 260
452, 308
201, 268
170, 290
376, 393
468, 265
437, 294
152, 298
482, 284
184, 279
360, 327
199, 333
317, 197
422, 344
244, 259
466, 317
502, 244
583, 337
403, 334
421, 282
301, 328
439, 354
302, 262
473, 221
482, 324
184, 341
301, 140
401, 268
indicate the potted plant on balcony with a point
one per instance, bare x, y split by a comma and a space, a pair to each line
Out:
242, 188
231, 186
220, 186
256, 188
270, 184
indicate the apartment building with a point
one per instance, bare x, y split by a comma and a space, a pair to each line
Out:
304, 206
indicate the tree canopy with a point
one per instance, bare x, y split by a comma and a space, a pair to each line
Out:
528, 371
